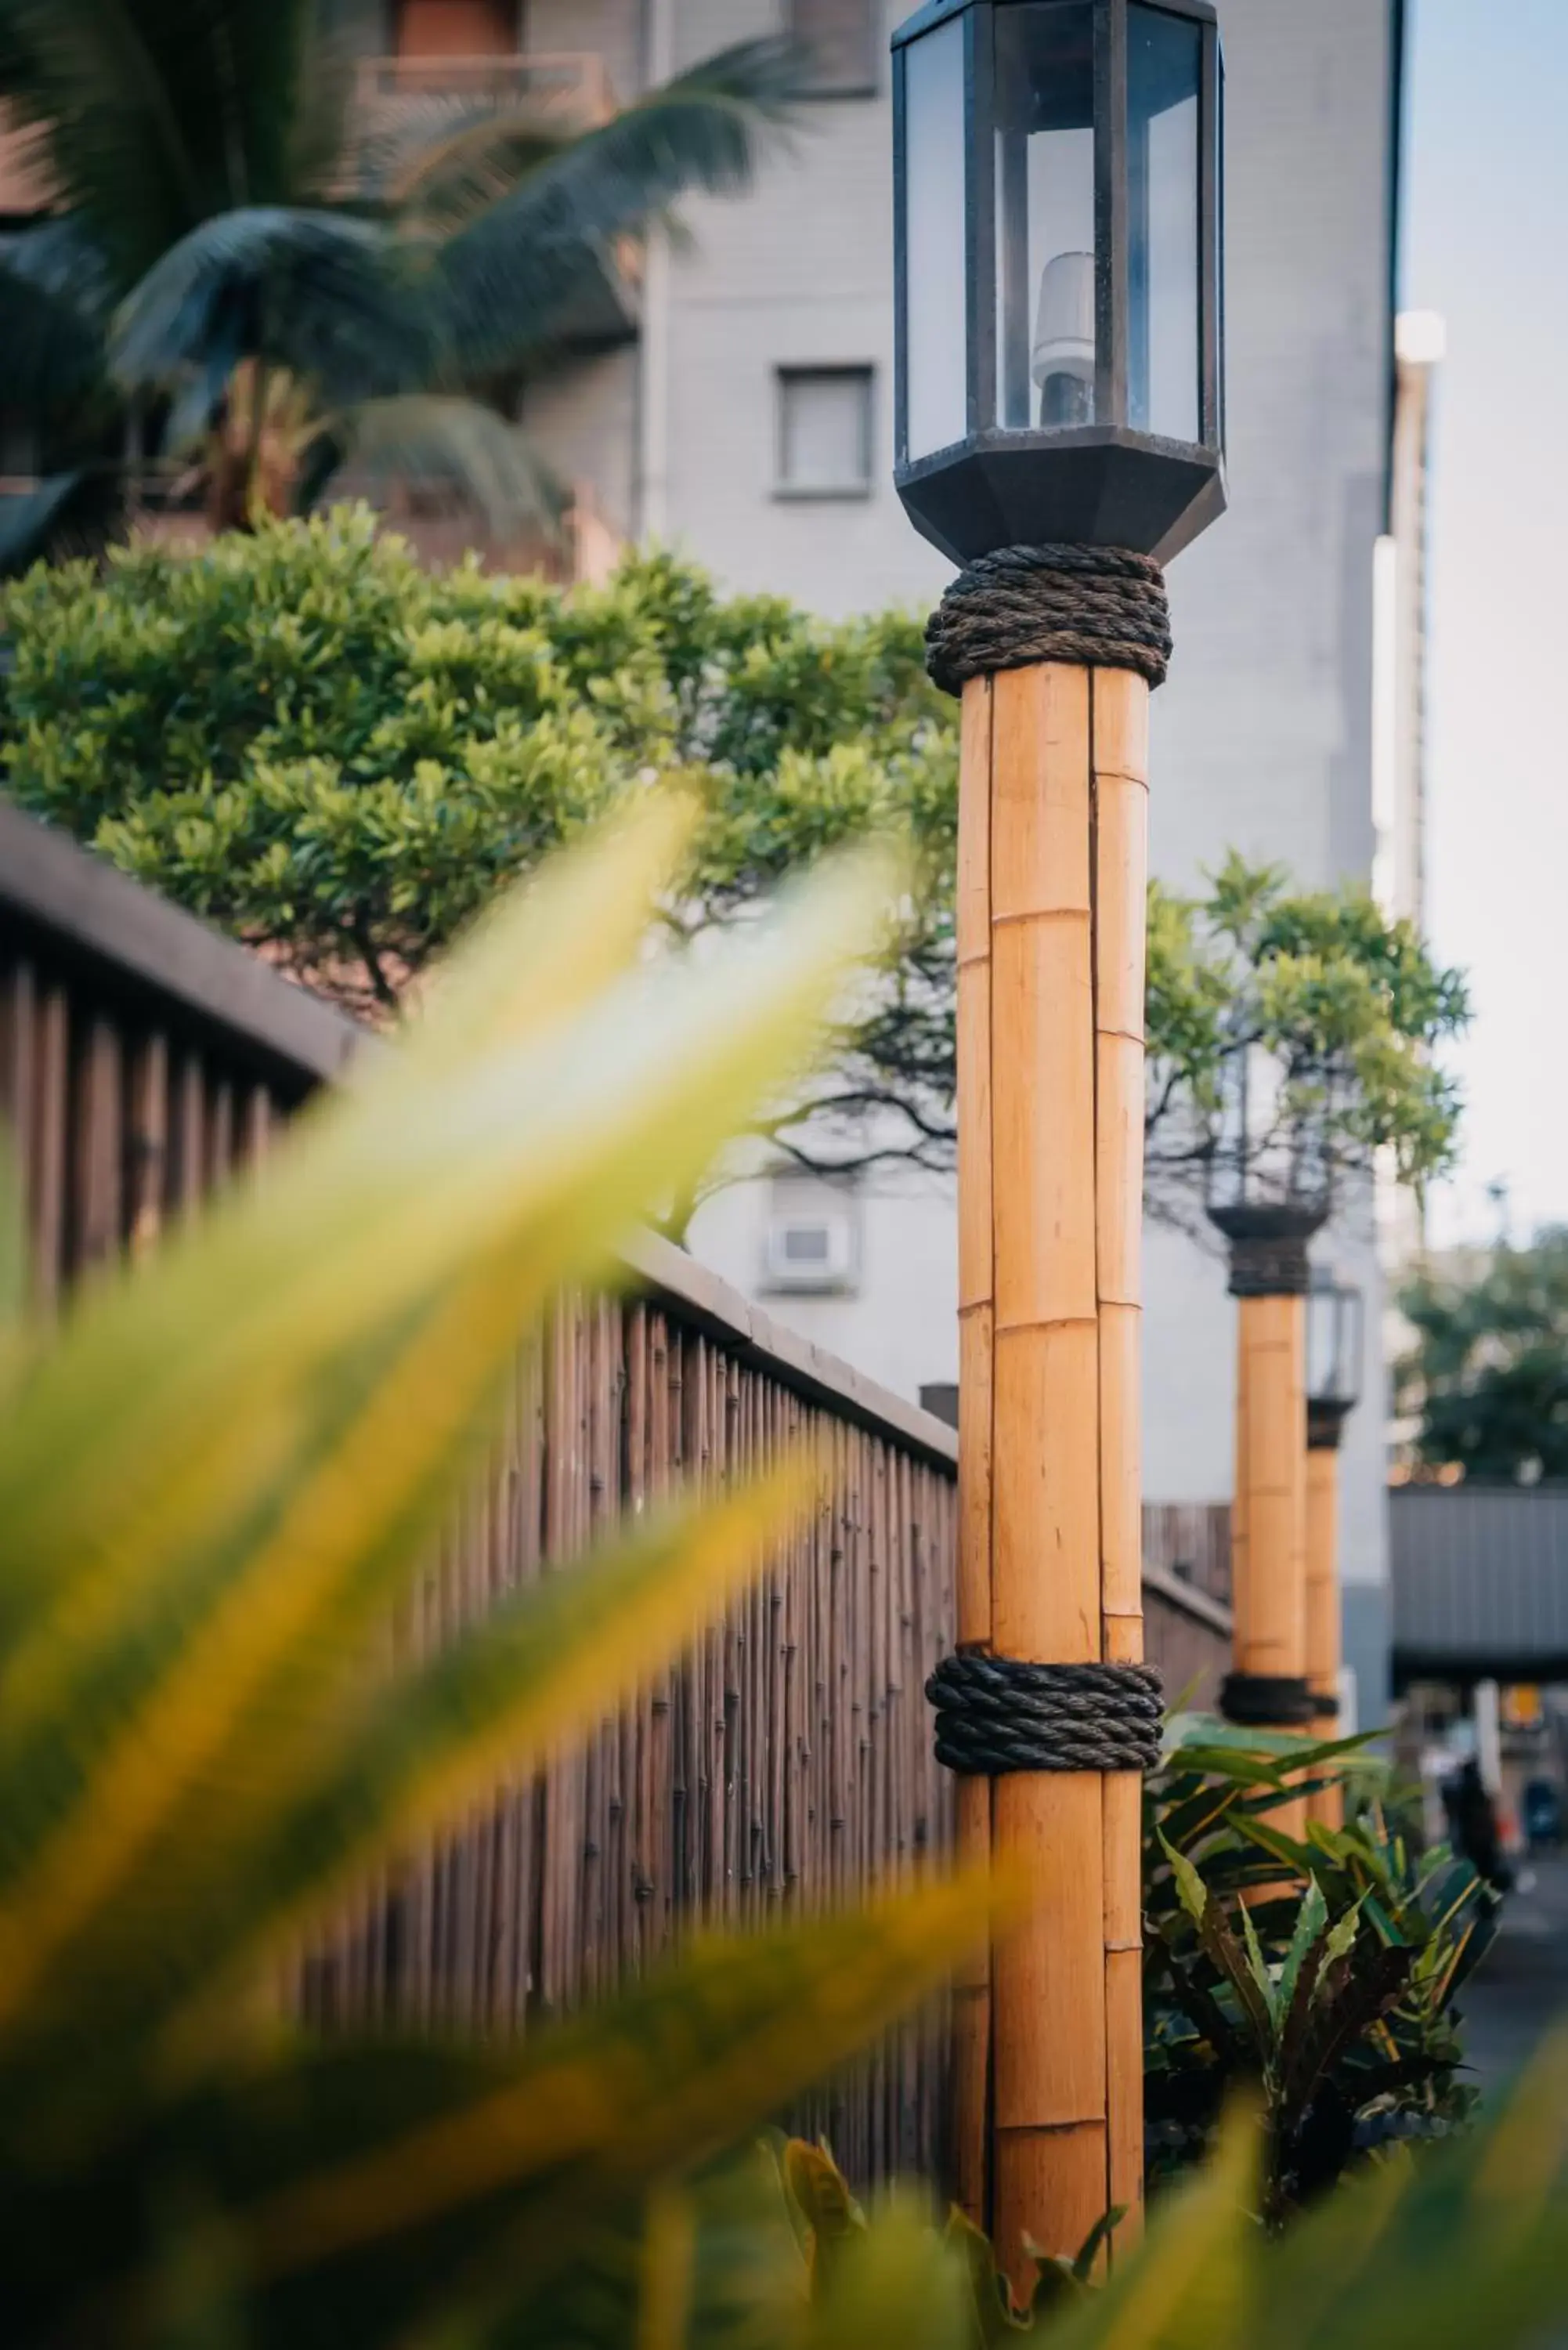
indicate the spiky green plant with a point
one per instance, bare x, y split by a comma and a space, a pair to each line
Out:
214, 1481
1325, 1971
1461, 2245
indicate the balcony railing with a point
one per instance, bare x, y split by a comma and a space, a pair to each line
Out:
568, 87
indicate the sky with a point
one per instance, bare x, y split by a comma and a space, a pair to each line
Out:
1486, 244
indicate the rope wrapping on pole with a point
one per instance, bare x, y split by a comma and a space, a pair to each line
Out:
1269, 1268
1102, 606
995, 1715
1268, 1701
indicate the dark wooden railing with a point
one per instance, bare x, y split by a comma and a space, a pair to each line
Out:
143, 1061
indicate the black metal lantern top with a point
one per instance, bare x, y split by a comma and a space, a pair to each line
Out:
1267, 1154
1336, 1350
1058, 225
1268, 1178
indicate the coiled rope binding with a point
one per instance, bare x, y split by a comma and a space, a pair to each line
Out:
1268, 1701
995, 1715
1103, 606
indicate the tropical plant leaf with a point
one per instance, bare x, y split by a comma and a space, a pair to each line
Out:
1187, 2287
241, 1586
68, 513
1350, 2001
1085, 2261
387, 2182
1257, 1968
1312, 1921
442, 174
821, 2194
337, 301
992, 2316
1469, 2244
318, 1268
510, 275
246, 1862
1188, 1884
54, 314
152, 116
900, 2281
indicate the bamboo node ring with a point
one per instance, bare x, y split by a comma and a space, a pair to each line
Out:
1099, 606
996, 1715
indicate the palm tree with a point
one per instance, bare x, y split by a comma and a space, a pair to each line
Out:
234, 269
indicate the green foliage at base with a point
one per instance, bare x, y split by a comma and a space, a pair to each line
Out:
1447, 2249
1324, 1971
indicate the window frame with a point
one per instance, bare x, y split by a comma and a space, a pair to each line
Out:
862, 372
834, 92
795, 1200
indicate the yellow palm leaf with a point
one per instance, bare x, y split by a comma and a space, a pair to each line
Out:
525, 1168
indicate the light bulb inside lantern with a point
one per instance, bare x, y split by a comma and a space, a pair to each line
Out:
1063, 361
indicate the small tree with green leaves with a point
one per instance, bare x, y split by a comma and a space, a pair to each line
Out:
340, 757
1488, 1373
1344, 1000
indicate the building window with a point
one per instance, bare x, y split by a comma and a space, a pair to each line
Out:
842, 39
811, 1241
824, 432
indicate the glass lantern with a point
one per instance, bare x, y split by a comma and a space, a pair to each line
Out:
1336, 1349
1267, 1172
1057, 249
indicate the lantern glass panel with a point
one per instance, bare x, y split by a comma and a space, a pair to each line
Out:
1046, 266
1267, 1148
935, 292
1334, 1339
1165, 65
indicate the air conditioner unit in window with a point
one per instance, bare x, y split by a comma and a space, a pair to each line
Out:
810, 1253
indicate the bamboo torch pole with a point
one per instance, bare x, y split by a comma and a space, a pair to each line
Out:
977, 1323
1120, 813
1051, 945
1269, 1576
1323, 1600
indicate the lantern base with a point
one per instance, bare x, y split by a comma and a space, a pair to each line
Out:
1326, 1424
1269, 1246
1093, 485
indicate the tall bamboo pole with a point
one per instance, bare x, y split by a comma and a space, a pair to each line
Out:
1053, 865
1120, 813
1323, 1598
977, 1325
1268, 1574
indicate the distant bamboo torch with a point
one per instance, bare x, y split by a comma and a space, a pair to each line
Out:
1335, 1353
